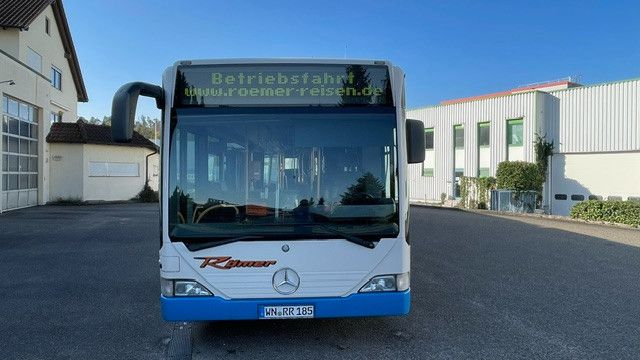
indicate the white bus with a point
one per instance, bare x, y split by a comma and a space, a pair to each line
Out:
283, 189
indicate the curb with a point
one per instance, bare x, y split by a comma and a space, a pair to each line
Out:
535, 216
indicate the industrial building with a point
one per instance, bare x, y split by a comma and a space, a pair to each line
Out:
595, 130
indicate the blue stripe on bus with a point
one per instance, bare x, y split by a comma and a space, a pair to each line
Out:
216, 308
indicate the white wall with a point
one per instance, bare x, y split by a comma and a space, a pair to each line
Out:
484, 157
515, 153
116, 188
494, 110
597, 118
70, 172
9, 41
66, 171
596, 130
36, 89
52, 51
602, 174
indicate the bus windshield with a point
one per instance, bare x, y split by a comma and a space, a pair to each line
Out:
282, 173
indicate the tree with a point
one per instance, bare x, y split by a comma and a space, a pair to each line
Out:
145, 125
544, 150
357, 80
366, 188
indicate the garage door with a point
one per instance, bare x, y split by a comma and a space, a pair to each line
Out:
19, 154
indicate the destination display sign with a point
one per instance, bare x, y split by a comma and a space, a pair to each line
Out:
283, 85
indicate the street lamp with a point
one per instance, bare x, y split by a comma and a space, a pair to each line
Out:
11, 82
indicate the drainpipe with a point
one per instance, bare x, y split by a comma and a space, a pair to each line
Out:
146, 168
549, 185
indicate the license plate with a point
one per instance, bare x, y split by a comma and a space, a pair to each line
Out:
287, 312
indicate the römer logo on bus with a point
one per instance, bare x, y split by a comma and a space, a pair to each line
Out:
226, 263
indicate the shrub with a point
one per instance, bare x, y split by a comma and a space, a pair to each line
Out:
621, 212
147, 194
485, 185
474, 192
544, 151
71, 200
519, 176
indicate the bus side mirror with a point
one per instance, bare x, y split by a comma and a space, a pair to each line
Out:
415, 141
123, 108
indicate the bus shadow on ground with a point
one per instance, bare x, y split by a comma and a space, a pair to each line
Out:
312, 336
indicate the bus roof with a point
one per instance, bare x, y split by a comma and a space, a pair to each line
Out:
282, 61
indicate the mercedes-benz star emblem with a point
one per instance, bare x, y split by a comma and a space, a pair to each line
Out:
286, 281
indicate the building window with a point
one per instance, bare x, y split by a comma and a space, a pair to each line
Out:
484, 172
113, 169
595, 197
458, 136
575, 197
483, 134
428, 139
458, 157
47, 25
429, 156
484, 152
458, 173
19, 133
34, 60
514, 132
55, 117
560, 196
56, 78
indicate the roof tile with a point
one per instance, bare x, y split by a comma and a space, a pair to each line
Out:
83, 133
20, 13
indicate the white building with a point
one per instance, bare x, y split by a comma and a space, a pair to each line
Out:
86, 165
595, 129
40, 85
40, 82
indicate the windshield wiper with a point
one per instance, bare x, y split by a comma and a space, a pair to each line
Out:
209, 244
349, 237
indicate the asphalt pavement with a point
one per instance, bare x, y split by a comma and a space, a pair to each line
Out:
82, 282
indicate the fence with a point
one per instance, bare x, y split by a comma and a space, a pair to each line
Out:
512, 201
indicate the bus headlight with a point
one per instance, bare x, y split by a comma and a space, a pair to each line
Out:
398, 282
182, 288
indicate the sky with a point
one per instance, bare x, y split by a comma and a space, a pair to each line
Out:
448, 49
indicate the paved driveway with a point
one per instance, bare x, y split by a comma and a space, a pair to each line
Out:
81, 282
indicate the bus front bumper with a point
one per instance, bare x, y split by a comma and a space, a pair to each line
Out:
215, 308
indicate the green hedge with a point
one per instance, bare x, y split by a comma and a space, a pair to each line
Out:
519, 176
147, 194
621, 212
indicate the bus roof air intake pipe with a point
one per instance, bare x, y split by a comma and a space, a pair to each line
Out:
123, 109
